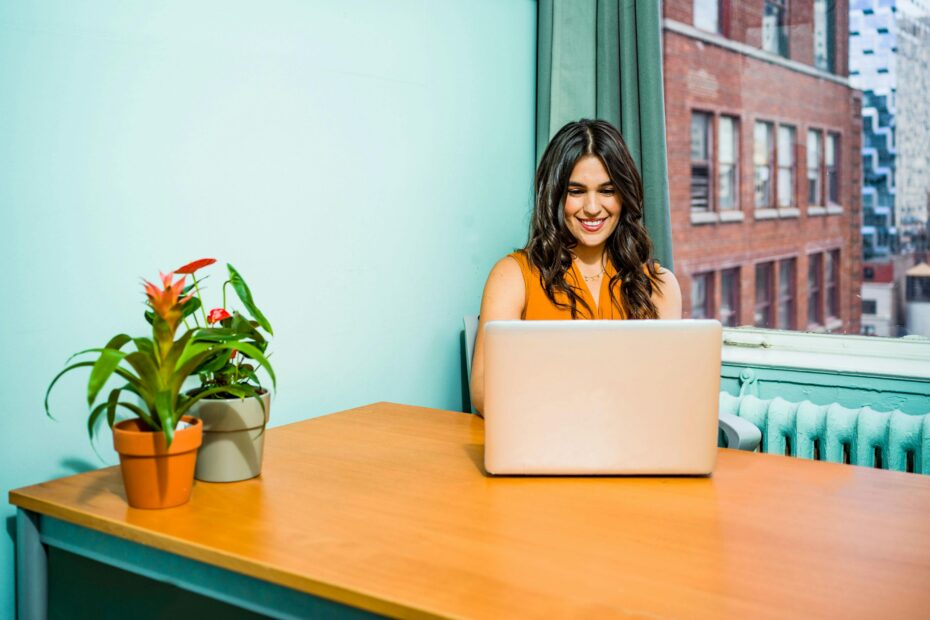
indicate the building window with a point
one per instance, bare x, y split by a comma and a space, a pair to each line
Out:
918, 289
815, 289
762, 155
728, 163
814, 185
707, 15
786, 293
785, 166
832, 159
764, 315
833, 283
869, 306
702, 295
729, 297
824, 34
701, 149
775, 27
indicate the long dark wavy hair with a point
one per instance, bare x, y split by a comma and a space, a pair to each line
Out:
628, 248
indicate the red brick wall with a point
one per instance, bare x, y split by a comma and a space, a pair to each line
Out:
709, 78
742, 22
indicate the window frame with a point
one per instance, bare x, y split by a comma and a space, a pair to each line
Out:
733, 319
782, 40
769, 164
790, 168
788, 298
734, 165
709, 161
768, 305
815, 297
833, 183
818, 167
719, 17
831, 284
707, 277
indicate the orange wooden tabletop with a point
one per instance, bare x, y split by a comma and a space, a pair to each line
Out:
387, 507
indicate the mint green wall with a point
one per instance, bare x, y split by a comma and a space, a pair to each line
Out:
363, 164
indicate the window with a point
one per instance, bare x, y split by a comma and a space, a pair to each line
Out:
824, 35
918, 289
786, 293
762, 164
702, 295
815, 289
763, 315
786, 166
832, 283
707, 15
814, 196
775, 27
831, 157
869, 306
701, 149
729, 297
728, 163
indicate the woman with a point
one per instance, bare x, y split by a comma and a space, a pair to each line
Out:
588, 254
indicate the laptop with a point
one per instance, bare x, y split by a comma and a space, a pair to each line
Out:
601, 397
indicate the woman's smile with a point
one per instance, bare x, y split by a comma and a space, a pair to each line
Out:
592, 225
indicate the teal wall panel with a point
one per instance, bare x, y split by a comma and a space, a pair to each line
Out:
363, 164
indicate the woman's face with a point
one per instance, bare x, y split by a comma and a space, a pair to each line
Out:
592, 204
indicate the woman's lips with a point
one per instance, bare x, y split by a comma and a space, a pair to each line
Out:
592, 225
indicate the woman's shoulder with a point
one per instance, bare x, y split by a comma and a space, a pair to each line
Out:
510, 269
667, 293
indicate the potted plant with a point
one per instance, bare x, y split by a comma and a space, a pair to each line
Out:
158, 444
230, 400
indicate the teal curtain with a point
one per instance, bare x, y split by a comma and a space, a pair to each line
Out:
603, 59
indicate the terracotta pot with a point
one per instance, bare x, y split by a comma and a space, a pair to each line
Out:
233, 438
156, 476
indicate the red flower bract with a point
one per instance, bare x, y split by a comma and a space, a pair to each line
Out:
166, 301
217, 314
191, 267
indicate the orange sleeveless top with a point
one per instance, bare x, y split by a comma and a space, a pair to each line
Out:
540, 308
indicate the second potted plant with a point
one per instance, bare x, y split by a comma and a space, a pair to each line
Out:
231, 401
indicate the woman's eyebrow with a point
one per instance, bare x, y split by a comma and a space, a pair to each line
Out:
577, 184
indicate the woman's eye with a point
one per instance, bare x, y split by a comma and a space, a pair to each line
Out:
575, 192
608, 191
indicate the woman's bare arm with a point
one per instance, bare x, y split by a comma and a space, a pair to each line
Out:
668, 298
504, 299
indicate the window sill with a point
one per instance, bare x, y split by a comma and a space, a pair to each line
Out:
834, 323
853, 354
731, 216
766, 214
834, 210
704, 217
789, 212
814, 211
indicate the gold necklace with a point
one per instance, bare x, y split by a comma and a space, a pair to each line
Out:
589, 278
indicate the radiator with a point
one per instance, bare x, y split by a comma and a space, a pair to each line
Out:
882, 439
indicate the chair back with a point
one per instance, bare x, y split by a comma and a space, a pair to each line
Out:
471, 333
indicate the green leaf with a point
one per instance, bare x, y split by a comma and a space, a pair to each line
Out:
145, 367
165, 415
177, 349
104, 366
245, 296
59, 376
144, 345
191, 306
94, 416
259, 357
149, 316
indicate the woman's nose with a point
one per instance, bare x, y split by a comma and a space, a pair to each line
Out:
590, 205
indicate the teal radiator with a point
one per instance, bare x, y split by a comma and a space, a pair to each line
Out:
881, 439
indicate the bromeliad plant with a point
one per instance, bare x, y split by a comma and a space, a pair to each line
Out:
155, 371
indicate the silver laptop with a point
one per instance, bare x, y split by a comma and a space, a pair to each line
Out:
601, 397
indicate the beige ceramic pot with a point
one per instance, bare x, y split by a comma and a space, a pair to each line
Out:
233, 438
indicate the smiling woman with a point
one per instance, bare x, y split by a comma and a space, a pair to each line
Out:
589, 255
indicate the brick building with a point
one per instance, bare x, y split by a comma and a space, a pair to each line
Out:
764, 137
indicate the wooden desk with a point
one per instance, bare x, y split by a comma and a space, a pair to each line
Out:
387, 508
